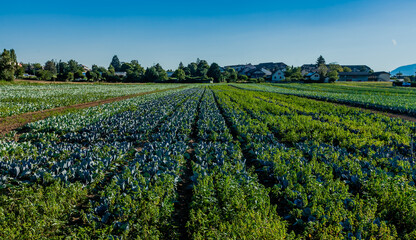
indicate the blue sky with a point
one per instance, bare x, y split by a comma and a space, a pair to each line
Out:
381, 34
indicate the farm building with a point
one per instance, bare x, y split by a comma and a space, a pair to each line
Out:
354, 76
379, 77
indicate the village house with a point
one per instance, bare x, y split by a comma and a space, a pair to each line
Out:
314, 76
259, 73
262, 70
277, 76
308, 68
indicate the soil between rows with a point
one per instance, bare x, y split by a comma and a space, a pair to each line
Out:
11, 123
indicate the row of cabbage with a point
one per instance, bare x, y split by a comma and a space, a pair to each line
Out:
228, 202
138, 200
325, 186
389, 99
21, 98
118, 169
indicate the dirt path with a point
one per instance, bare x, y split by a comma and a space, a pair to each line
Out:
388, 114
11, 123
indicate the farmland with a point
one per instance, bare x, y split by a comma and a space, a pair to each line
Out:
22, 98
211, 162
379, 96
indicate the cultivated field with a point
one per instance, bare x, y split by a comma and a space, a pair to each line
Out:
213, 162
22, 98
381, 96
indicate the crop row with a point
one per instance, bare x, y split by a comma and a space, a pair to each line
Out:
16, 99
124, 148
323, 189
397, 100
259, 165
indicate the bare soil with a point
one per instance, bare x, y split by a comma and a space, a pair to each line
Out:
11, 123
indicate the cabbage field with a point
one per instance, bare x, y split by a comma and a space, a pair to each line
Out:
22, 98
210, 162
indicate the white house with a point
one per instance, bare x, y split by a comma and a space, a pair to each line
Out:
314, 76
278, 76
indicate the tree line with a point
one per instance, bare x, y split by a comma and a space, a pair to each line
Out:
117, 71
133, 72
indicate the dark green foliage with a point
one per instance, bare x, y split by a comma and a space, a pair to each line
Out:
293, 74
320, 61
179, 74
214, 72
44, 75
7, 65
115, 63
162, 75
151, 75
51, 67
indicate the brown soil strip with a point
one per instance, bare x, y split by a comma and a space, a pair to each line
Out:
388, 114
11, 123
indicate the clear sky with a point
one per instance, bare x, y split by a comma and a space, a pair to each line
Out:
381, 34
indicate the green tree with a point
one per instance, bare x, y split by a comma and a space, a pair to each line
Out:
333, 76
293, 73
192, 69
181, 66
115, 63
79, 75
73, 66
102, 72
69, 76
180, 74
202, 68
242, 77
232, 75
44, 75
7, 66
92, 76
111, 70
320, 61
51, 67
134, 71
19, 71
347, 69
163, 76
151, 74
214, 72
322, 70
62, 68
335, 67
36, 67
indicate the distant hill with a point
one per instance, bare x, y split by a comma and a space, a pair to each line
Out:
406, 70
